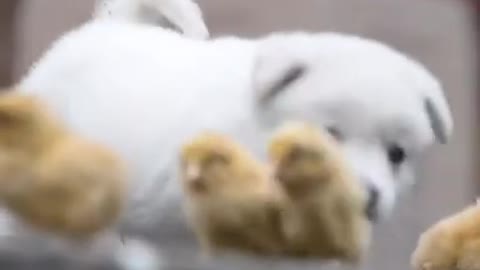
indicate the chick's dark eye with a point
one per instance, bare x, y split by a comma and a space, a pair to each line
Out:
335, 132
217, 159
396, 154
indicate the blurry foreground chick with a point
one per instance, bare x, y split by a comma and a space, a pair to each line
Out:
52, 179
230, 199
451, 244
326, 214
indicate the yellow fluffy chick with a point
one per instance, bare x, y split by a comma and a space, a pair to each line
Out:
231, 200
451, 244
53, 179
326, 214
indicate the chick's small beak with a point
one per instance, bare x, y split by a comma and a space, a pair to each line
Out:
272, 170
193, 178
192, 173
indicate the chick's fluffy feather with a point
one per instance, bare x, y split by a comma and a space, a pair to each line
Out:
232, 203
451, 243
325, 216
305, 203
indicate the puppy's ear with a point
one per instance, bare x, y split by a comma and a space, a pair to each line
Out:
440, 117
275, 70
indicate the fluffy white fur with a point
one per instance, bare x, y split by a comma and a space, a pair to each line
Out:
142, 90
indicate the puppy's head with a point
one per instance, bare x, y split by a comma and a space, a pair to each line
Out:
213, 163
382, 107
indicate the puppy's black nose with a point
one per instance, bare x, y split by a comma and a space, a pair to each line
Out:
371, 210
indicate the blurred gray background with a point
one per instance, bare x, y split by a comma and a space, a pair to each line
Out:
443, 34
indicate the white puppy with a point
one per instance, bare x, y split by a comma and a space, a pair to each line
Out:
143, 90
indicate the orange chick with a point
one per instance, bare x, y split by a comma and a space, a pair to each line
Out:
452, 243
231, 201
53, 179
326, 216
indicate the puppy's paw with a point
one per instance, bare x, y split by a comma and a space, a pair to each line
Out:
184, 16
188, 17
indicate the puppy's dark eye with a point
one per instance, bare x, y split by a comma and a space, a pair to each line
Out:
335, 132
396, 154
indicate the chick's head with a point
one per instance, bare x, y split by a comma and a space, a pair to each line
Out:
214, 163
303, 157
27, 132
26, 125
